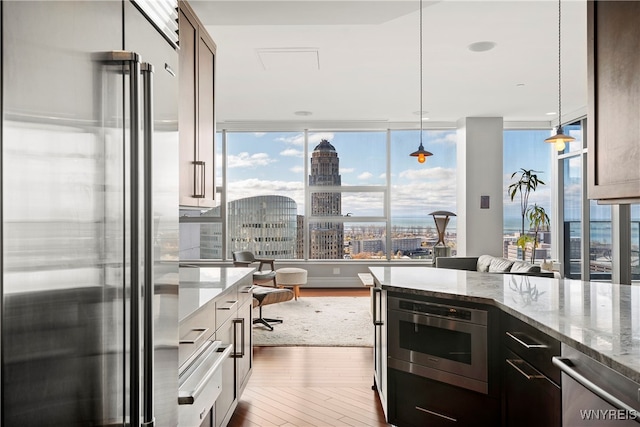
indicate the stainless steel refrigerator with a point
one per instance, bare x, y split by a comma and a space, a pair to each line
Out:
89, 213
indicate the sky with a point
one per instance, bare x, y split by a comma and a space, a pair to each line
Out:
273, 163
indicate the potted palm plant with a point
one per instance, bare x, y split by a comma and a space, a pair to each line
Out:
539, 221
527, 182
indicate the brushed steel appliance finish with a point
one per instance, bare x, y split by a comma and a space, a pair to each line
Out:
432, 345
594, 394
83, 241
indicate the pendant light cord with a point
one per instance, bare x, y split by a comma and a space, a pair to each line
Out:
421, 113
559, 64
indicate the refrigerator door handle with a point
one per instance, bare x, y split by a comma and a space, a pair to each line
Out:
147, 160
131, 62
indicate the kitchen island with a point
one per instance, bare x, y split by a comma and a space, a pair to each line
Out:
215, 354
600, 320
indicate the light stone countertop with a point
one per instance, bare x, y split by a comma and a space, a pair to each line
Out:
601, 320
199, 285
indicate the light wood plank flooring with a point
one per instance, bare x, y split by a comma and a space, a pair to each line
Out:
311, 386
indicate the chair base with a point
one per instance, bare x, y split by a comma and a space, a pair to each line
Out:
265, 321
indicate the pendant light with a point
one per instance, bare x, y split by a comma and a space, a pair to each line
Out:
559, 139
421, 154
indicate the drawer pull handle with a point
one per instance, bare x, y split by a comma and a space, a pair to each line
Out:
375, 302
202, 333
436, 414
228, 305
533, 376
240, 322
523, 343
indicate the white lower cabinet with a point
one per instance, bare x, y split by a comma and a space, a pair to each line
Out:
236, 310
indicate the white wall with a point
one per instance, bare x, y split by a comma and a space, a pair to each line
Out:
479, 173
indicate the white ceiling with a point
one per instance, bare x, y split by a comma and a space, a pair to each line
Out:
357, 63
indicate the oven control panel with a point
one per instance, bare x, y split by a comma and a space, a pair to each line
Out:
438, 310
446, 311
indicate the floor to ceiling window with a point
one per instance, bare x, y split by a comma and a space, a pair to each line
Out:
326, 195
417, 190
347, 195
572, 192
525, 149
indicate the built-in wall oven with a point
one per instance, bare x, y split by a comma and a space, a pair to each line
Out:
443, 342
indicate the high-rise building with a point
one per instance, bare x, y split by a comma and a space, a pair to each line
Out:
327, 238
264, 225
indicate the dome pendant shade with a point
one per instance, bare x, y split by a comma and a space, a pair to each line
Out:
421, 154
559, 139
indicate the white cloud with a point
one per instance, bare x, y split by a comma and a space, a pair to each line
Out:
297, 169
347, 170
259, 134
316, 137
420, 191
443, 137
258, 187
292, 152
429, 174
365, 175
297, 139
246, 160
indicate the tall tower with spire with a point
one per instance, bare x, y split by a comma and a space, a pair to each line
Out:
327, 238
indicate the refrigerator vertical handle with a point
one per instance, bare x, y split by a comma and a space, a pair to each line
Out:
131, 62
134, 213
148, 259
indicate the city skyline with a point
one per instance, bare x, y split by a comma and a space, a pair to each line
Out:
272, 163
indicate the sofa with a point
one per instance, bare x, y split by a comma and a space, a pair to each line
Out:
493, 264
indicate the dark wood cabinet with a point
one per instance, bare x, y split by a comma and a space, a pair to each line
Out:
197, 111
421, 402
613, 133
531, 394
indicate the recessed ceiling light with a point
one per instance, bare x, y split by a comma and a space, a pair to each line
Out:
481, 46
551, 113
425, 118
303, 113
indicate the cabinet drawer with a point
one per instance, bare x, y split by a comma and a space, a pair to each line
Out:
418, 401
531, 345
194, 331
530, 398
245, 293
226, 308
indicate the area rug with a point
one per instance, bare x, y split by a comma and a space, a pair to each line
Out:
317, 321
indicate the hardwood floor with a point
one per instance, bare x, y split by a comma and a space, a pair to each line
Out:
311, 386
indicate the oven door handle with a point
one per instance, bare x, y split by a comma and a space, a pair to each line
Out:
567, 367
